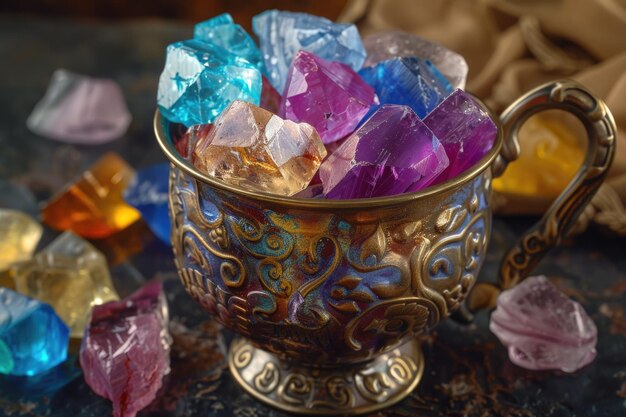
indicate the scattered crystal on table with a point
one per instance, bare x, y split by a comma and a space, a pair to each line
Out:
93, 206
330, 96
465, 130
222, 31
80, 109
201, 79
386, 45
282, 34
33, 339
19, 235
70, 275
391, 153
543, 328
253, 148
410, 81
125, 351
148, 193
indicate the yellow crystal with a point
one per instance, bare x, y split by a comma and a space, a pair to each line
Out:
71, 276
253, 148
94, 206
19, 235
551, 152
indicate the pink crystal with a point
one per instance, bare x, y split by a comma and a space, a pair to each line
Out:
81, 110
543, 328
465, 130
270, 99
391, 153
328, 95
125, 350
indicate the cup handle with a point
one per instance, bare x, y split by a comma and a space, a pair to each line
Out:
555, 224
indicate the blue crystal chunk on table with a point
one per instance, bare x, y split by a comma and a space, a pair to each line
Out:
282, 34
33, 338
222, 31
200, 79
409, 81
148, 193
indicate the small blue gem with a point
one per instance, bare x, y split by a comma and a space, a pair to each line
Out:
148, 193
409, 81
33, 338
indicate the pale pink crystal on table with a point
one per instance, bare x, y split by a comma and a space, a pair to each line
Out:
386, 45
543, 328
126, 347
465, 130
328, 95
81, 110
391, 153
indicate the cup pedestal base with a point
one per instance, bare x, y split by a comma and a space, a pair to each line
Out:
346, 390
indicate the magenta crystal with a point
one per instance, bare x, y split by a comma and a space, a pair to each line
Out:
391, 153
543, 328
465, 130
328, 95
125, 350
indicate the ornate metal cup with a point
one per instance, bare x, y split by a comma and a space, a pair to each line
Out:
328, 296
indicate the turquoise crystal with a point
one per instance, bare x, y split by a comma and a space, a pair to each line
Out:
33, 338
282, 34
200, 79
222, 31
409, 81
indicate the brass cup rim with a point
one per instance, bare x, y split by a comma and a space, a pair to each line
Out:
167, 146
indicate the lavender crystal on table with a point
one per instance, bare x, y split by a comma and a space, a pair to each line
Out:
386, 45
282, 34
222, 31
543, 328
81, 110
33, 339
125, 349
465, 130
409, 81
200, 79
391, 153
330, 96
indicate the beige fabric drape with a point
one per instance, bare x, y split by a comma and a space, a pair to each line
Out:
512, 46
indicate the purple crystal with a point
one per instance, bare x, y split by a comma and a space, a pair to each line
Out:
328, 95
543, 328
391, 153
465, 130
80, 109
125, 350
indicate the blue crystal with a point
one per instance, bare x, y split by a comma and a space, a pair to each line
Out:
222, 31
200, 79
33, 338
409, 81
148, 193
282, 34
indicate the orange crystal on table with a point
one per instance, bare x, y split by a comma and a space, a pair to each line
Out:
551, 152
93, 206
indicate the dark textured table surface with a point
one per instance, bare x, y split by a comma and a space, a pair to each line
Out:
467, 370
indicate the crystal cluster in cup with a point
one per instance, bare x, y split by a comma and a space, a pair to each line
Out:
315, 111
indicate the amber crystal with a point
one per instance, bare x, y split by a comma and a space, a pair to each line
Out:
253, 148
93, 205
19, 235
70, 275
550, 154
